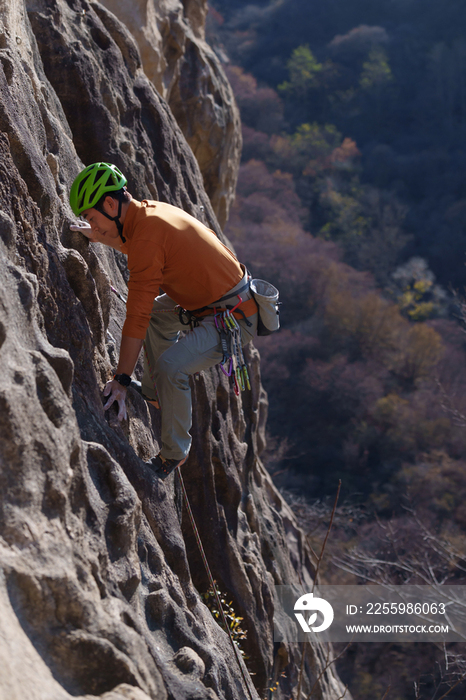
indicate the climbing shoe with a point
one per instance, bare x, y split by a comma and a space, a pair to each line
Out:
164, 467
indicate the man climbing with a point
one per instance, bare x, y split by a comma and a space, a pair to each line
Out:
167, 250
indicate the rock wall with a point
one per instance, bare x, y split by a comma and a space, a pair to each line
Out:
187, 73
99, 574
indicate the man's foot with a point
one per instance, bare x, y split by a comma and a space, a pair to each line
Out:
164, 467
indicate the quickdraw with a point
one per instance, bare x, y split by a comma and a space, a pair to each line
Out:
233, 363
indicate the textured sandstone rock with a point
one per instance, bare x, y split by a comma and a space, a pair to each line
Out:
187, 73
99, 575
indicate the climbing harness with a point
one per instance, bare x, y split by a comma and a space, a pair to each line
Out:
211, 581
230, 295
232, 364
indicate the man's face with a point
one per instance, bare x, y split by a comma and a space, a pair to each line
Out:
103, 230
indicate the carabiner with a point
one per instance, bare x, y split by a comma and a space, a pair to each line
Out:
229, 373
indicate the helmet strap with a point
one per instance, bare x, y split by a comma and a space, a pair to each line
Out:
116, 218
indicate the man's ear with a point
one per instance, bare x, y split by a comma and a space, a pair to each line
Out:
112, 205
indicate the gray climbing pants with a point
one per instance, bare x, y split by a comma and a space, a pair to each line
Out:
170, 359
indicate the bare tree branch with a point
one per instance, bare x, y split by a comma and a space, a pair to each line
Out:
327, 535
327, 666
387, 692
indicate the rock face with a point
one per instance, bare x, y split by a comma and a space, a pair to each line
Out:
187, 73
99, 574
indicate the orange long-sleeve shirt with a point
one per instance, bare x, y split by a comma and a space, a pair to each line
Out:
169, 249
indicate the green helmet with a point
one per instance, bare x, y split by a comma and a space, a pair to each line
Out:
93, 183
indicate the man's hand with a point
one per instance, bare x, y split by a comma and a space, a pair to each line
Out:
116, 392
84, 228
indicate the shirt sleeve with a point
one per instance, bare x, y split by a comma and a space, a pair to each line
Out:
145, 263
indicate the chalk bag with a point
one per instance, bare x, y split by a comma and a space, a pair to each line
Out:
266, 296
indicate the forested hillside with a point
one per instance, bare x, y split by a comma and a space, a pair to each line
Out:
351, 199
368, 369
389, 75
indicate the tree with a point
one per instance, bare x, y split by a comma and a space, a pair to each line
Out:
306, 90
304, 70
376, 73
417, 294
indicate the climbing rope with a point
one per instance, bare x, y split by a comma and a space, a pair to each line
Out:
211, 580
